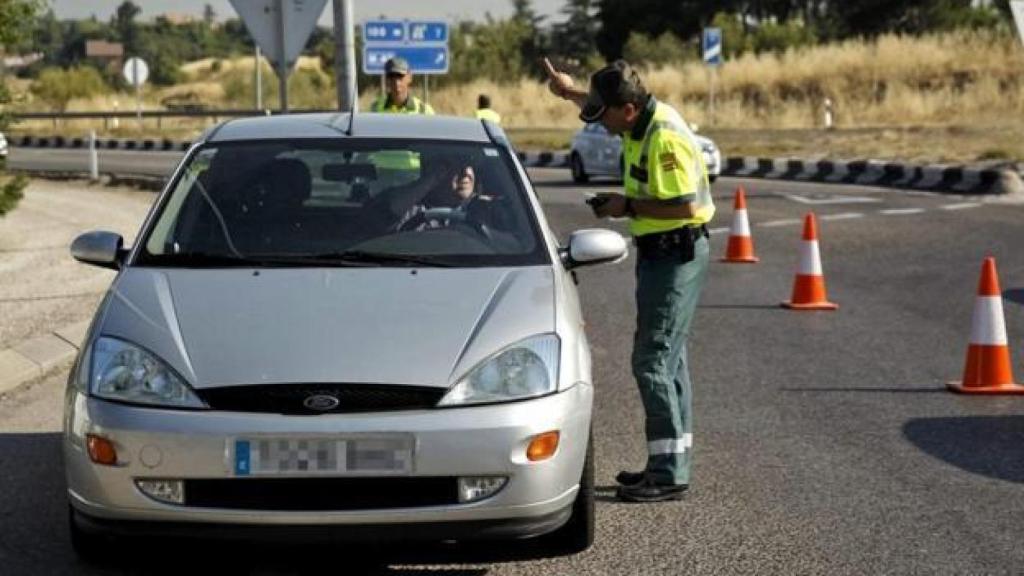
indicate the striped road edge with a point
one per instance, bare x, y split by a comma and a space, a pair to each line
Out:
544, 159
937, 178
82, 142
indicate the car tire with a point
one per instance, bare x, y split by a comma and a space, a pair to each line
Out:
89, 548
712, 178
579, 174
577, 534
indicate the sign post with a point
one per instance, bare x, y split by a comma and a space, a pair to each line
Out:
1017, 7
135, 73
423, 44
280, 28
712, 50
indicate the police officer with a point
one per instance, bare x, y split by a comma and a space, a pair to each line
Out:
397, 98
668, 201
484, 111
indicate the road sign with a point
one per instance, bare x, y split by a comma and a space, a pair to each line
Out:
428, 32
280, 27
712, 46
136, 71
1017, 7
421, 59
383, 31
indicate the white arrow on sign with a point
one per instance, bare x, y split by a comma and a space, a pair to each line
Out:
136, 71
263, 19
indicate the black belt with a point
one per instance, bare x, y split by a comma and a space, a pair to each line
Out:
675, 242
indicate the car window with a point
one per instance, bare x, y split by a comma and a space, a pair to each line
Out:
304, 202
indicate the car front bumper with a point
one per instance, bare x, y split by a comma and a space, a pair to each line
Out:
452, 442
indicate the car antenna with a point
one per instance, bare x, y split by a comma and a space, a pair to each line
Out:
354, 104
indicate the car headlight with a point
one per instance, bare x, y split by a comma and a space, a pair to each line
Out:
524, 370
127, 373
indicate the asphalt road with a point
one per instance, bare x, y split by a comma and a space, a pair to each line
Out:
825, 442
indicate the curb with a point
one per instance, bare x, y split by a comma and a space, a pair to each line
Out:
144, 145
34, 357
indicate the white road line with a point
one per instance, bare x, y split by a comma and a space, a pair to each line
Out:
714, 231
901, 211
843, 216
777, 223
831, 199
963, 206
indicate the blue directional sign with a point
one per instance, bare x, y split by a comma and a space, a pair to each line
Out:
712, 45
422, 59
384, 31
428, 32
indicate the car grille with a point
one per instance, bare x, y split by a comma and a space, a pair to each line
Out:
321, 494
291, 398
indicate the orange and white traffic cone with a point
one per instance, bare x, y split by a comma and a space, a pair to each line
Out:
741, 245
809, 286
988, 369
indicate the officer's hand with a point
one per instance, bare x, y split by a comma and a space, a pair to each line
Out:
610, 205
558, 82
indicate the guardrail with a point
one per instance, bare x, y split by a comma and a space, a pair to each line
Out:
105, 115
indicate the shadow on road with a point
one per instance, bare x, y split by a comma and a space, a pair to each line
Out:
874, 390
1015, 295
991, 446
33, 509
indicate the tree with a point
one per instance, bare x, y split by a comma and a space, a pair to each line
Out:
574, 39
209, 16
125, 26
16, 18
532, 42
57, 87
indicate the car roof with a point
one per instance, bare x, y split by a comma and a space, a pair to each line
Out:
334, 125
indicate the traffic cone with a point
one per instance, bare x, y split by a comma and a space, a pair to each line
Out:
988, 369
809, 286
741, 245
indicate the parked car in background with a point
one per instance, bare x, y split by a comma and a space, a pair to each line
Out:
339, 331
596, 152
3, 146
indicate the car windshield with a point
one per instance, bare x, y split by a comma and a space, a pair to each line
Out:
345, 203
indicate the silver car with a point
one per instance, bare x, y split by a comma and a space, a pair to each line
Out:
356, 330
596, 152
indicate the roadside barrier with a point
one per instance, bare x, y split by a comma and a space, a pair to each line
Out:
988, 369
809, 285
741, 245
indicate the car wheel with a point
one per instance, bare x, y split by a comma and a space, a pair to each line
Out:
89, 548
578, 533
712, 178
579, 175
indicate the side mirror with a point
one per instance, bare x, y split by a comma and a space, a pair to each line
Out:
596, 246
99, 248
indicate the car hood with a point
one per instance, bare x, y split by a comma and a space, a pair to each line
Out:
403, 326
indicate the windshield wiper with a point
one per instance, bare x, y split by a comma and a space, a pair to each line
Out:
205, 260
365, 257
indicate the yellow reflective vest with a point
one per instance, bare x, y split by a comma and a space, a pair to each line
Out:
663, 161
488, 114
397, 160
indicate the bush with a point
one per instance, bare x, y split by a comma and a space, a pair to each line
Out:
57, 87
665, 49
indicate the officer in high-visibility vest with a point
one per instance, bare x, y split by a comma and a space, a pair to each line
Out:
397, 97
484, 111
668, 201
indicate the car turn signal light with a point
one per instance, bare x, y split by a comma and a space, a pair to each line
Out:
101, 450
543, 446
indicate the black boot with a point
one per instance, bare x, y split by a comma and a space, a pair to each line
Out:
649, 491
627, 478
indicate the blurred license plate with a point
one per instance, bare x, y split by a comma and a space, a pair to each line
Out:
274, 456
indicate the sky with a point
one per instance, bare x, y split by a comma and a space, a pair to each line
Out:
451, 10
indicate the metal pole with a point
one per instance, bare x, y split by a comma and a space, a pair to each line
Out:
94, 161
714, 77
259, 79
345, 56
138, 98
282, 66
426, 89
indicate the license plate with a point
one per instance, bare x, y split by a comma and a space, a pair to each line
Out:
322, 456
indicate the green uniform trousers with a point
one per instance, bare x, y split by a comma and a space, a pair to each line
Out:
666, 299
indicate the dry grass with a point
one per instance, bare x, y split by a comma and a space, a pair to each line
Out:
957, 96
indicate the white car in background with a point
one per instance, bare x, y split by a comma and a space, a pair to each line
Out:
3, 146
596, 152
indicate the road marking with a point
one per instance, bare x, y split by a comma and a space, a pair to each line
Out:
831, 199
777, 223
714, 231
843, 216
962, 206
901, 211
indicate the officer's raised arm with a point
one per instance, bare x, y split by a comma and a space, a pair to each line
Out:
561, 85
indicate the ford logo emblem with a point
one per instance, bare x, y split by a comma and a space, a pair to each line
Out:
321, 402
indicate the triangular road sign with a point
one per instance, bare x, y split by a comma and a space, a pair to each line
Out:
263, 20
